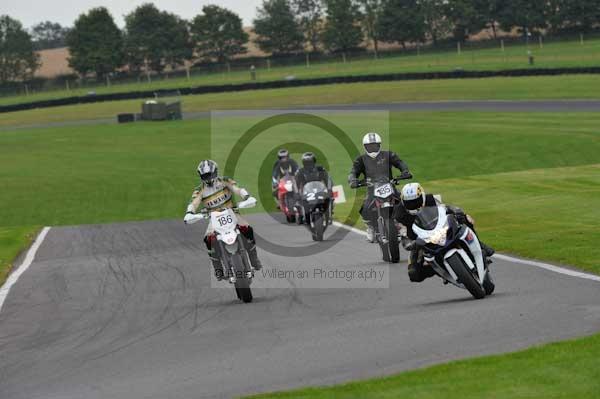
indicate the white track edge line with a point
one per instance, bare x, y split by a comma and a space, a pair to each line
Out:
14, 276
542, 265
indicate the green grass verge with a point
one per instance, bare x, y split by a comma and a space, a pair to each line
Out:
527, 88
561, 370
558, 54
93, 174
532, 213
12, 241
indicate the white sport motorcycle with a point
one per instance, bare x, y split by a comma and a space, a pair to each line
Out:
231, 247
452, 250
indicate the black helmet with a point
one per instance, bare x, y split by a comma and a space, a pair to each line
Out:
208, 171
309, 160
283, 154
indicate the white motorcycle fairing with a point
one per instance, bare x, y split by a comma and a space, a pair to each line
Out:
438, 236
470, 238
225, 225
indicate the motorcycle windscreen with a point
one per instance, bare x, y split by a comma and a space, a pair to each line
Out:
428, 217
314, 187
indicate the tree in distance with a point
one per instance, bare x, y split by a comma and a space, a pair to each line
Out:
466, 18
277, 29
218, 34
372, 12
437, 25
342, 27
49, 35
18, 60
156, 39
95, 44
402, 22
310, 15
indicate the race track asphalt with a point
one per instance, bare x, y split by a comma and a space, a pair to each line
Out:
127, 311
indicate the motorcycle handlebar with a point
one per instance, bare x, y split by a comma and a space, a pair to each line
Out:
395, 180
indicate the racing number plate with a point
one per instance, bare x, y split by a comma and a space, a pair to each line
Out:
384, 191
224, 220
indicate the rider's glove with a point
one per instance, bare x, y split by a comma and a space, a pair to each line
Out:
188, 218
244, 194
191, 218
408, 244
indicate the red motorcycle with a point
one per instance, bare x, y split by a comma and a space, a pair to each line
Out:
287, 198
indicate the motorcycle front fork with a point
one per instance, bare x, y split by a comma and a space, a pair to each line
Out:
229, 263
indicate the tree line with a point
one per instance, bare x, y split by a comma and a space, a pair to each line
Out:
154, 40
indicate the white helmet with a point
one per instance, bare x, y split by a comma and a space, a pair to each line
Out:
372, 144
208, 171
413, 197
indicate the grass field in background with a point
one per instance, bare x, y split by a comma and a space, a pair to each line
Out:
557, 54
561, 370
93, 174
525, 88
540, 213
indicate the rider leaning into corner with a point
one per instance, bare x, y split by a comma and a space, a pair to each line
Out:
311, 171
414, 199
284, 165
373, 164
216, 194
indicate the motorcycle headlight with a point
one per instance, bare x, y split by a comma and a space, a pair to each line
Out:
289, 185
438, 237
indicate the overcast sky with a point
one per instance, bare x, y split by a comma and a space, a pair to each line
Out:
30, 12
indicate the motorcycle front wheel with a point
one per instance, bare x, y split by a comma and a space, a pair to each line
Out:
390, 247
242, 283
319, 229
465, 277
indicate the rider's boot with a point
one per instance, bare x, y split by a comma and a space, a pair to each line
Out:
253, 255
417, 271
370, 232
218, 266
487, 250
248, 233
212, 254
402, 231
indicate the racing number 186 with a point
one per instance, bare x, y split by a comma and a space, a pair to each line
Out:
225, 220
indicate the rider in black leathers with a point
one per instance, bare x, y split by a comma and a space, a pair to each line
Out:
374, 163
310, 171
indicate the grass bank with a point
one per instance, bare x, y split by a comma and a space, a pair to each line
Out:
551, 55
12, 241
527, 88
561, 370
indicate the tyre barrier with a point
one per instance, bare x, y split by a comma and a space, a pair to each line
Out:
126, 118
